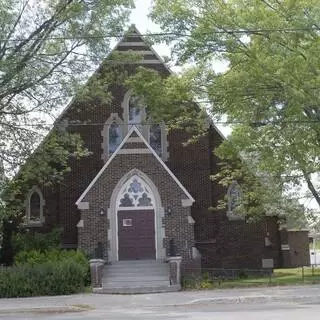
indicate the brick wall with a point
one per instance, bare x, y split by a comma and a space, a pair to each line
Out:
176, 224
238, 244
295, 245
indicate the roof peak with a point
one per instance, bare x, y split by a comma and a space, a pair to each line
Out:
134, 130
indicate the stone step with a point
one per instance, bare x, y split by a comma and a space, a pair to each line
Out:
122, 271
130, 281
138, 276
136, 266
136, 290
147, 262
136, 284
135, 273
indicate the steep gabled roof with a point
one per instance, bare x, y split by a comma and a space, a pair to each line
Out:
134, 132
132, 41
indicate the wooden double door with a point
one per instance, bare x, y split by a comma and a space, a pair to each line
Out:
136, 235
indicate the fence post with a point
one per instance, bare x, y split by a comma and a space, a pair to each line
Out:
270, 276
302, 269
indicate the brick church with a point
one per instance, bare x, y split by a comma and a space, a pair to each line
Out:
141, 195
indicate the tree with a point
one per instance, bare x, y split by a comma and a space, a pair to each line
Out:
47, 49
269, 93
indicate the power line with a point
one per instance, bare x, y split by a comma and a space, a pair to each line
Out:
70, 124
160, 34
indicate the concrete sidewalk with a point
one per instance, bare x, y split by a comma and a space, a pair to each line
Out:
86, 302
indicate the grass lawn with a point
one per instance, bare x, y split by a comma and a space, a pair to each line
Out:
306, 275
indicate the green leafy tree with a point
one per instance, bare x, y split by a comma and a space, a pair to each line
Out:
47, 49
269, 93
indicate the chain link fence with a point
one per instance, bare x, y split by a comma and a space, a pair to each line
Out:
229, 278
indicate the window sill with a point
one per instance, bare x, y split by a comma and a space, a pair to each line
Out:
33, 224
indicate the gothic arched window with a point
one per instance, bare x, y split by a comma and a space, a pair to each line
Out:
234, 197
35, 204
134, 113
35, 207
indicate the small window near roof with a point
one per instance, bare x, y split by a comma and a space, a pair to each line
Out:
135, 113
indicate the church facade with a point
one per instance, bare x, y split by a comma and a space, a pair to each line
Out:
143, 195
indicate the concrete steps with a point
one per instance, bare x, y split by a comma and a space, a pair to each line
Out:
139, 276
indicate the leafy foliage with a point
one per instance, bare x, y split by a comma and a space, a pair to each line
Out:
34, 241
171, 99
50, 273
268, 92
35, 257
47, 51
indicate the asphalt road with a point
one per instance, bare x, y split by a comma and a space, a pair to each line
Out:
196, 312
278, 303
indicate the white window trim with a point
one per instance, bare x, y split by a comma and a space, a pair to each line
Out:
145, 127
28, 209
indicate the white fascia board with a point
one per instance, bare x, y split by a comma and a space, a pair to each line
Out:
136, 130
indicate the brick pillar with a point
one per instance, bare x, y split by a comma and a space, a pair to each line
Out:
96, 270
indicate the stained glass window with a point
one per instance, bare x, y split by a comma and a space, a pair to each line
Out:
144, 201
135, 187
135, 193
135, 111
155, 139
115, 137
234, 197
126, 201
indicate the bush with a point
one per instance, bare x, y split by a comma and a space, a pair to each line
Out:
35, 257
27, 240
64, 277
53, 272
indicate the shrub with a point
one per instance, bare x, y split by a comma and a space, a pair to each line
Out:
35, 257
27, 240
64, 277
53, 272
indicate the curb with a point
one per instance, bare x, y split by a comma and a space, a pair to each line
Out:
251, 300
47, 310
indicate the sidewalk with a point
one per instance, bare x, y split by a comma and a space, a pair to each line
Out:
86, 302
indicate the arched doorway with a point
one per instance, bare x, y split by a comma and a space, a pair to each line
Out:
136, 220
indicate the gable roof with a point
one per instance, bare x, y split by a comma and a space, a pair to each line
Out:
125, 45
134, 131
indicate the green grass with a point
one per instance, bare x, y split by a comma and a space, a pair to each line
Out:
279, 277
